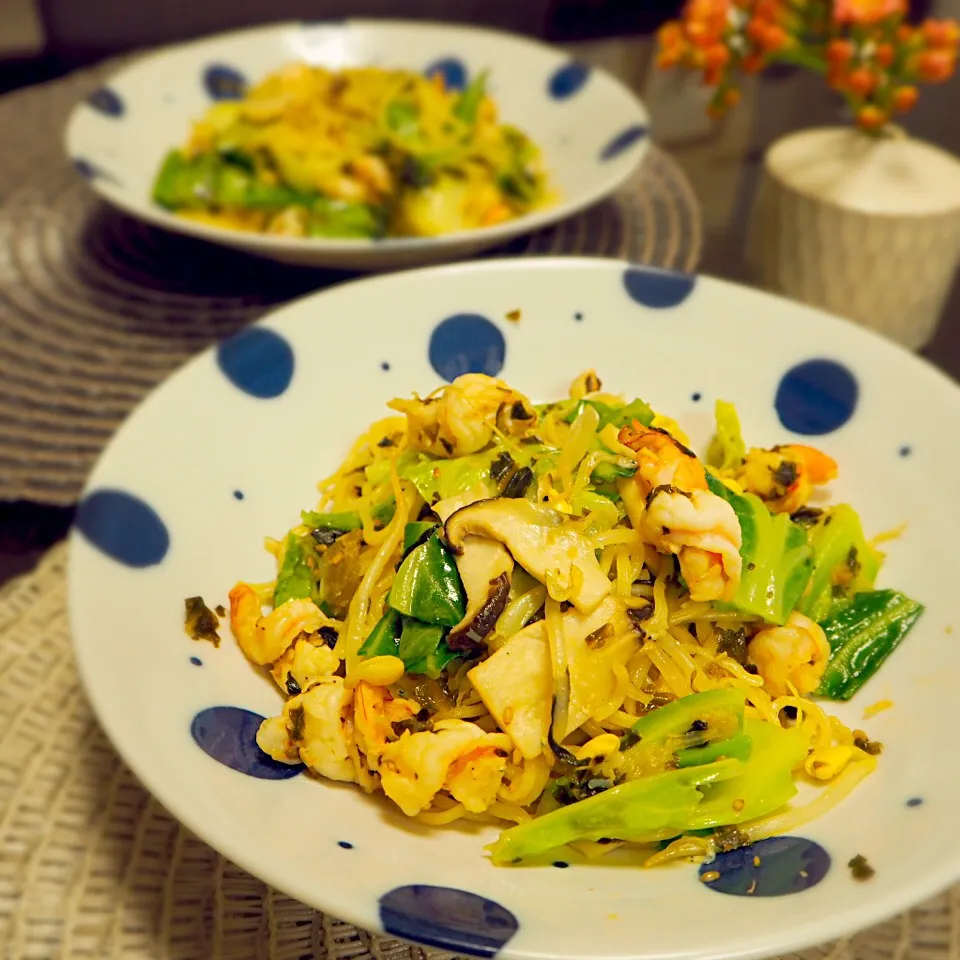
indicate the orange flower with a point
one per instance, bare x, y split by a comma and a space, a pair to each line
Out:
731, 96
752, 63
840, 52
904, 98
716, 57
935, 66
861, 81
885, 55
940, 33
871, 117
706, 21
775, 38
867, 11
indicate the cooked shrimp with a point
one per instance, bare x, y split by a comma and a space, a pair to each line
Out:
417, 766
703, 531
796, 653
265, 639
459, 419
304, 664
784, 477
475, 777
374, 713
682, 516
372, 171
662, 460
326, 735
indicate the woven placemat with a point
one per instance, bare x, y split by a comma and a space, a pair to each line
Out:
96, 308
91, 866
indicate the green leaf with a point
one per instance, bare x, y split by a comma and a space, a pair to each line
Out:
838, 541
295, 580
403, 118
422, 648
777, 559
428, 587
384, 639
727, 449
442, 478
467, 106
619, 415
340, 218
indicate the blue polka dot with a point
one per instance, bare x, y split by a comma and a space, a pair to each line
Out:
123, 527
346, 844
107, 102
450, 919
196, 661
658, 289
915, 801
90, 171
905, 451
237, 494
816, 397
623, 141
562, 864
224, 83
452, 69
258, 361
384, 365
568, 80
696, 397
467, 343
768, 868
229, 735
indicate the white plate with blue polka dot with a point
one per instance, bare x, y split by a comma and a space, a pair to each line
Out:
231, 447
591, 128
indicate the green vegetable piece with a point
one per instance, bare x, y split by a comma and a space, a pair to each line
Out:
839, 547
414, 533
701, 718
384, 639
295, 580
861, 636
619, 415
662, 802
467, 106
446, 478
427, 586
737, 748
340, 218
382, 513
675, 718
612, 471
764, 783
727, 449
166, 186
777, 559
422, 648
403, 118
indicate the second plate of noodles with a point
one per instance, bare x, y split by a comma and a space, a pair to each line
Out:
358, 153
558, 618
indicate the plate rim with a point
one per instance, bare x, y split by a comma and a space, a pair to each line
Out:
270, 245
806, 933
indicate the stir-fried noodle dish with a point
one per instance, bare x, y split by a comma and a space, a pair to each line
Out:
560, 620
354, 153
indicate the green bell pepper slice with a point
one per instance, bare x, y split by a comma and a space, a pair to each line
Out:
428, 586
423, 649
861, 636
384, 639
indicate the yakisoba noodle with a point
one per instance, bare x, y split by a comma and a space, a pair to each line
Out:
560, 620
